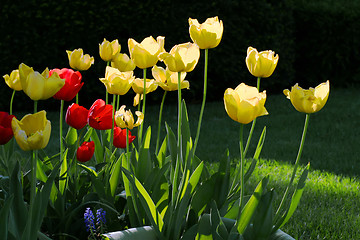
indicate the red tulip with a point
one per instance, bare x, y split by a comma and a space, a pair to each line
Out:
76, 116
72, 85
120, 137
6, 132
100, 115
85, 152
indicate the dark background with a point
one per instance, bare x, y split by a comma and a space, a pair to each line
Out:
316, 41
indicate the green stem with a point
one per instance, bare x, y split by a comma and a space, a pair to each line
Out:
242, 162
35, 106
179, 117
203, 102
159, 125
77, 98
143, 108
296, 163
253, 123
11, 102
61, 129
112, 124
33, 176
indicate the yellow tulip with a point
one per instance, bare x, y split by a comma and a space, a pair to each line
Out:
182, 57
309, 100
208, 34
117, 82
145, 54
32, 131
125, 119
168, 80
78, 60
261, 64
108, 50
138, 86
245, 103
122, 62
13, 81
39, 86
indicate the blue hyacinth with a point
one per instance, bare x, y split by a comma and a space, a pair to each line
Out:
100, 217
89, 220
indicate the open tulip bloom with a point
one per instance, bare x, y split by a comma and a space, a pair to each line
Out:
79, 61
72, 85
208, 34
120, 137
117, 82
32, 131
168, 80
308, 100
39, 86
100, 115
125, 119
261, 64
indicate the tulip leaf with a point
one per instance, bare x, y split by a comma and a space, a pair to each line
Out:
249, 209
218, 227
147, 202
4, 216
99, 152
161, 156
172, 144
260, 144
185, 133
71, 137
280, 235
115, 175
88, 134
63, 173
144, 160
295, 198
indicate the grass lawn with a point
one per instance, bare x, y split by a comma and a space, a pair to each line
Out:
330, 205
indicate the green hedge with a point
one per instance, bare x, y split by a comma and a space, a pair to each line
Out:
315, 42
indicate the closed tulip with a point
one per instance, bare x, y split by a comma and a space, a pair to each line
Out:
138, 85
39, 86
168, 80
117, 82
120, 137
125, 119
79, 61
261, 64
309, 100
100, 115
72, 85
245, 103
208, 34
13, 80
76, 116
32, 131
108, 50
6, 132
182, 57
85, 152
145, 54
122, 62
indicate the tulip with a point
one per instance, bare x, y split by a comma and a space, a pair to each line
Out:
85, 152
13, 81
72, 85
261, 64
125, 119
120, 137
100, 115
182, 57
168, 80
76, 116
122, 62
309, 100
108, 50
78, 60
117, 82
6, 132
145, 54
32, 131
208, 34
138, 86
39, 86
245, 103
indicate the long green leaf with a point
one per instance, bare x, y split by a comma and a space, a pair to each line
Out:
172, 145
161, 157
260, 144
144, 160
250, 207
99, 150
148, 203
4, 216
280, 235
295, 198
185, 134
115, 175
140, 233
63, 173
